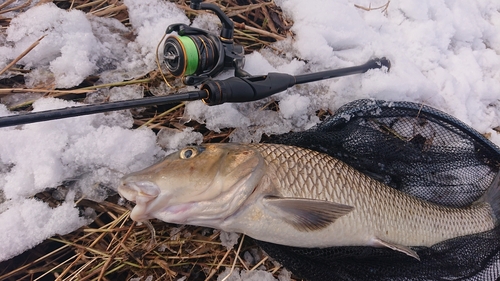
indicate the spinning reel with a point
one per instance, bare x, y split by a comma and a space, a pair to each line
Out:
198, 55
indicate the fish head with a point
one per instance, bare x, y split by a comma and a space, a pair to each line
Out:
200, 185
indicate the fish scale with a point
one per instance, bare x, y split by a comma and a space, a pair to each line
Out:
384, 212
297, 197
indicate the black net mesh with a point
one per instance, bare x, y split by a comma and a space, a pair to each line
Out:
418, 150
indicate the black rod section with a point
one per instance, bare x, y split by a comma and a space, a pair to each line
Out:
74, 111
371, 64
241, 89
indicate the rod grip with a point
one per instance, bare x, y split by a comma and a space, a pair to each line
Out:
238, 89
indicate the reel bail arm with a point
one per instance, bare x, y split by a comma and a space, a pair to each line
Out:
227, 24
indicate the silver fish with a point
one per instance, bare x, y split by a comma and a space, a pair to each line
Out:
296, 197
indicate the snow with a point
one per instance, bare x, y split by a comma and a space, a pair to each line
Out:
173, 139
44, 155
68, 48
250, 275
229, 239
32, 216
445, 54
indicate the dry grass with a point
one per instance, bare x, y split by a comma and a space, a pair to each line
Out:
114, 247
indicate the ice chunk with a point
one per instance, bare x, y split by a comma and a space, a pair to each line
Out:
229, 239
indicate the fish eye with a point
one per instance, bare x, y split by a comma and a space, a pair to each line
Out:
188, 152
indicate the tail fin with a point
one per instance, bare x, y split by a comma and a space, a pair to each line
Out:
492, 197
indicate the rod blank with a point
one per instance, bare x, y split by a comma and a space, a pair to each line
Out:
74, 111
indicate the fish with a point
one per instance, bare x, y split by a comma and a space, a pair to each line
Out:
296, 197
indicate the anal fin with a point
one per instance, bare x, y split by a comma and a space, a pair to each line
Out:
400, 248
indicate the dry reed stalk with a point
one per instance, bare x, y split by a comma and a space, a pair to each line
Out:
16, 8
31, 47
109, 11
259, 31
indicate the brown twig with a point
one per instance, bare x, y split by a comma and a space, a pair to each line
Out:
108, 11
21, 55
8, 2
108, 261
369, 8
258, 31
270, 21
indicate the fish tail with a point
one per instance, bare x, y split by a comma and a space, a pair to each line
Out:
492, 197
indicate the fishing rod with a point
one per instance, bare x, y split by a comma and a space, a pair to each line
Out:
212, 92
197, 56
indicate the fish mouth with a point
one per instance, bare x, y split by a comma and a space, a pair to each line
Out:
142, 193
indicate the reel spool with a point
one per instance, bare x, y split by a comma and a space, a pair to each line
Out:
190, 55
198, 55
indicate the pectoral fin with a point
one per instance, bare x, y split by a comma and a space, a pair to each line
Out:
306, 214
400, 248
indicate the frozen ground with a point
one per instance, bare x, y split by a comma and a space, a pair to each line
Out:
444, 53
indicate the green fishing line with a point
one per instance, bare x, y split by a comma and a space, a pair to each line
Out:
191, 54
